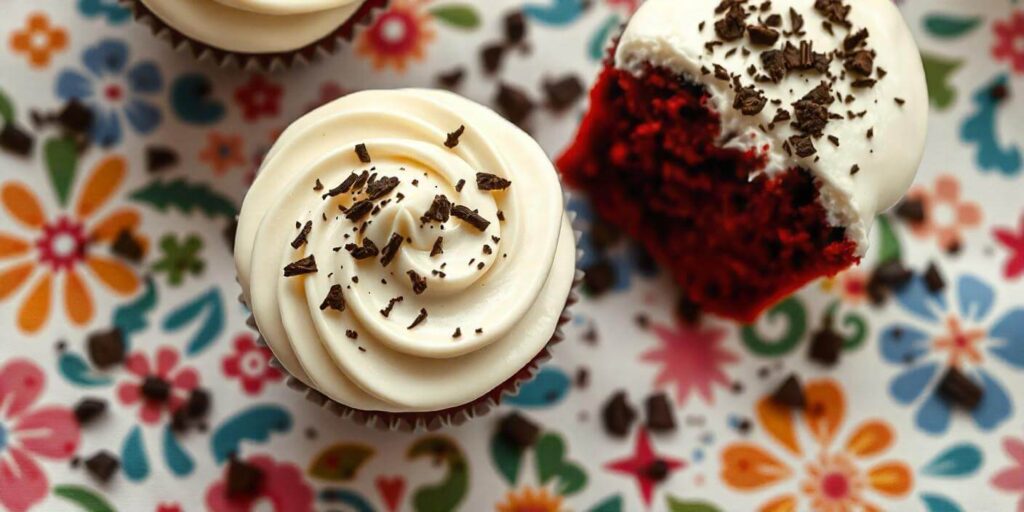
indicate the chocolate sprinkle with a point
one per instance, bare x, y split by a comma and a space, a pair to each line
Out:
563, 93
486, 181
300, 239
106, 348
362, 153
911, 210
515, 28
368, 250
243, 480
156, 389
159, 158
826, 346
933, 279
127, 247
457, 333
102, 465
88, 409
306, 265
513, 103
351, 334
958, 389
470, 217
419, 319
790, 393
617, 415
15, 140
419, 283
335, 299
391, 249
437, 248
660, 417
452, 139
854, 170
518, 431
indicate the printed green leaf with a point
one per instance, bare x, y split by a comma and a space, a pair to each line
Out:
61, 157
186, 197
889, 245
340, 462
6, 108
677, 505
457, 15
937, 72
549, 453
85, 498
446, 494
948, 26
506, 457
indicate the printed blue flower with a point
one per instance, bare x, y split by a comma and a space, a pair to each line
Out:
112, 88
939, 337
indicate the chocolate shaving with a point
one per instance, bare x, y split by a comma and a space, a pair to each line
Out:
391, 305
854, 170
306, 265
391, 249
774, 64
419, 283
334, 300
300, 239
732, 26
457, 333
359, 210
860, 62
368, 250
352, 335
360, 181
453, 137
863, 83
381, 187
459, 185
811, 117
437, 248
749, 100
486, 181
762, 35
362, 153
802, 145
834, 10
854, 40
470, 217
440, 210
419, 319
345, 186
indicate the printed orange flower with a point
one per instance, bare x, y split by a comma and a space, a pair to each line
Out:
397, 35
60, 252
828, 477
39, 40
946, 214
222, 152
530, 500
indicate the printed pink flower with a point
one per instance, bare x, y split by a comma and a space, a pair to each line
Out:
947, 215
28, 433
160, 387
1009, 45
1012, 479
691, 358
1015, 243
259, 98
283, 489
250, 363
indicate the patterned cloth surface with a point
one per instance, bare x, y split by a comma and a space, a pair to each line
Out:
123, 225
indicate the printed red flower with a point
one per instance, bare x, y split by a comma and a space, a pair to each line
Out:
1009, 45
29, 433
1014, 242
259, 98
398, 35
250, 364
222, 152
160, 387
282, 490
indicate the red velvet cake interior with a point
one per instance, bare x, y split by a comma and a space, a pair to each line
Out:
649, 155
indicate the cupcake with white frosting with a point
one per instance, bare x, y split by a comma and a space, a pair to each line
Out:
260, 34
407, 256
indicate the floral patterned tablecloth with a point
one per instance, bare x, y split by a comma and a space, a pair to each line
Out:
174, 143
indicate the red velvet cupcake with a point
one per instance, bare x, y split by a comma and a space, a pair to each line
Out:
750, 145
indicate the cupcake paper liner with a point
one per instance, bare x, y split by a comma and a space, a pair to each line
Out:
199, 50
454, 416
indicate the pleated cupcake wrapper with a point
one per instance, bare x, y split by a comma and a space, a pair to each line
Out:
434, 420
264, 62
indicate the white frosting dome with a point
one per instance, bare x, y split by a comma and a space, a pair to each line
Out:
672, 34
503, 287
254, 26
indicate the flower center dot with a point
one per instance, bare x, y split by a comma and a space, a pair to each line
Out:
394, 30
253, 364
835, 486
40, 40
112, 92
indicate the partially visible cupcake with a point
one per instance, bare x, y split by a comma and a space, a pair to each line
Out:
407, 256
256, 34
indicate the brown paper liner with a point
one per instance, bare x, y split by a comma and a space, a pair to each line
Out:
434, 420
257, 61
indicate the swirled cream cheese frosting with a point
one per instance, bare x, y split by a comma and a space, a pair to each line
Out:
405, 250
254, 26
877, 101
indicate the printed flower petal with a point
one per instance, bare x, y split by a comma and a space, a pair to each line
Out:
747, 466
22, 205
779, 422
1015, 449
1008, 337
968, 214
119, 220
128, 393
870, 438
145, 77
21, 382
166, 359
34, 312
138, 365
947, 188
826, 408
1009, 480
142, 115
917, 299
116, 275
48, 432
891, 478
11, 279
908, 386
108, 57
11, 246
901, 343
934, 415
785, 503
995, 406
22, 481
106, 128
72, 84
975, 298
77, 301
104, 180
150, 412
186, 379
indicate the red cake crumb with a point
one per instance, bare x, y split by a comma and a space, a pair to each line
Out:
646, 154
